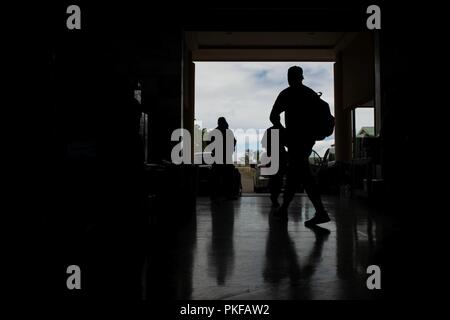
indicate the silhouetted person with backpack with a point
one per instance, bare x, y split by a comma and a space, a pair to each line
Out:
299, 103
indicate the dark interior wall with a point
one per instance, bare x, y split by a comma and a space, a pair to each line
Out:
407, 67
400, 117
161, 73
116, 44
408, 64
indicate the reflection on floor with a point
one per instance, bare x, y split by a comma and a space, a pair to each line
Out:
235, 250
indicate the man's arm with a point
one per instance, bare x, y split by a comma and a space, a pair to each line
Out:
277, 109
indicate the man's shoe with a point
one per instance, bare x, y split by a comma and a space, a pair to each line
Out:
317, 219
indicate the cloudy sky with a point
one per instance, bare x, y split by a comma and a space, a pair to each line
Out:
244, 93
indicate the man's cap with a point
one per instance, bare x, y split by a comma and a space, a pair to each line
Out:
295, 71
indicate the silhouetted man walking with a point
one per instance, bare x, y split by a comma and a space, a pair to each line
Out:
298, 102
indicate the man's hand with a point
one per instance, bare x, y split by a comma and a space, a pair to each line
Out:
279, 126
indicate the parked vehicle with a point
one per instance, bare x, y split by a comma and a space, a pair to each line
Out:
316, 162
329, 158
260, 182
332, 174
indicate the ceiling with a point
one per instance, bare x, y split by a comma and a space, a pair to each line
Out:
266, 40
265, 46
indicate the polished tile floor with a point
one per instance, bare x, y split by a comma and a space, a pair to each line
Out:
236, 250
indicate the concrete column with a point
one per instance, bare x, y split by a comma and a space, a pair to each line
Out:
343, 127
188, 92
377, 74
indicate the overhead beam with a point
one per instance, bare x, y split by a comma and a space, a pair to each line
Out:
263, 55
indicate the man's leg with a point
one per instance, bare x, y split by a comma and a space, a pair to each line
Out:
275, 184
289, 190
230, 182
312, 190
217, 180
214, 181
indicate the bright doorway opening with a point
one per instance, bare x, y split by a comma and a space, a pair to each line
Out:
244, 93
